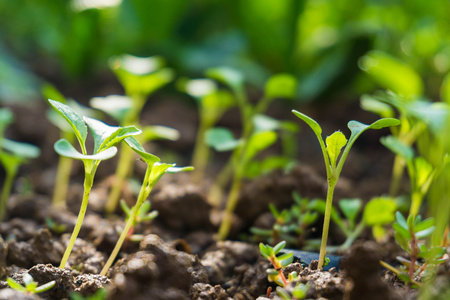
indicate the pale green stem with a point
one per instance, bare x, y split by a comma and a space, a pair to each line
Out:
124, 168
6, 192
397, 172
62, 181
232, 201
353, 236
326, 222
216, 190
143, 194
201, 154
416, 201
88, 182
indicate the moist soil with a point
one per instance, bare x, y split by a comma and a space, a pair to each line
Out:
177, 256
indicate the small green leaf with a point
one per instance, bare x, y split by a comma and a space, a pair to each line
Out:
198, 87
285, 256
264, 123
64, 148
6, 118
311, 123
228, 76
350, 208
158, 170
423, 171
357, 128
221, 139
401, 231
264, 250
401, 220
50, 92
278, 247
74, 119
116, 106
398, 147
371, 104
150, 159
258, 142
22, 150
15, 285
281, 86
379, 211
27, 279
173, 170
155, 132
425, 224
334, 143
125, 207
425, 232
45, 287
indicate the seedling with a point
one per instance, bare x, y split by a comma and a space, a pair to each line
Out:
290, 224
252, 140
298, 292
155, 170
31, 286
408, 234
140, 77
143, 215
334, 164
105, 139
12, 155
100, 294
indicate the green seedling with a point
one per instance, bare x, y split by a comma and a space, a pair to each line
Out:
140, 77
143, 215
298, 292
31, 286
155, 170
334, 164
252, 140
64, 163
408, 234
290, 224
12, 155
212, 104
105, 139
55, 227
100, 294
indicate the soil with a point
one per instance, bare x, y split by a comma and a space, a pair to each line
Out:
178, 256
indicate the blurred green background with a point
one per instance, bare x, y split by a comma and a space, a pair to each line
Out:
321, 42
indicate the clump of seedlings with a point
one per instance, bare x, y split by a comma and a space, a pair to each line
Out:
334, 160
12, 155
31, 286
140, 77
409, 233
275, 274
105, 139
155, 170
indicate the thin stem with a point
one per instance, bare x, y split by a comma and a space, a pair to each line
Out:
88, 181
397, 172
228, 213
326, 222
143, 194
353, 236
201, 154
215, 192
412, 265
62, 181
6, 192
124, 168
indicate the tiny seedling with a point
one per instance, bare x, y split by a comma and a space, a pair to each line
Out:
105, 139
334, 164
155, 170
12, 155
31, 286
298, 292
140, 77
408, 234
100, 294
143, 215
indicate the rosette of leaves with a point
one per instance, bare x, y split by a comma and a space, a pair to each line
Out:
334, 160
12, 155
155, 170
105, 139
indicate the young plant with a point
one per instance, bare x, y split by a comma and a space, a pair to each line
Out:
143, 215
155, 170
408, 234
105, 139
334, 164
100, 294
31, 286
252, 140
298, 292
140, 77
290, 224
12, 155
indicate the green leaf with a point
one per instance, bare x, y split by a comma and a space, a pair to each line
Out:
265, 250
350, 208
258, 142
11, 162
392, 74
278, 247
158, 170
228, 76
401, 220
27, 279
334, 143
281, 86
401, 231
357, 128
155, 132
22, 150
425, 232
64, 148
125, 208
116, 106
15, 285
221, 139
264, 123
150, 159
106, 136
74, 119
425, 224
45, 287
311, 123
379, 211
371, 104
397, 147
198, 88
285, 256
50, 92
423, 171
173, 170
6, 118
